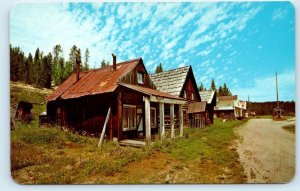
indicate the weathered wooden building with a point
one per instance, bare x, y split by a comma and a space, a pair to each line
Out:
137, 107
210, 97
230, 107
181, 82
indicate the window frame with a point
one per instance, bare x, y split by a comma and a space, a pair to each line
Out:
128, 128
140, 74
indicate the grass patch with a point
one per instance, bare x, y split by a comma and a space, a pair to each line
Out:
290, 128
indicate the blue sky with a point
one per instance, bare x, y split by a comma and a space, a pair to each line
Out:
242, 44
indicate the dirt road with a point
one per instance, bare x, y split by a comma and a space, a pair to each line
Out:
267, 151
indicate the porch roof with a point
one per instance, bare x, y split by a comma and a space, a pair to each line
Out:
153, 93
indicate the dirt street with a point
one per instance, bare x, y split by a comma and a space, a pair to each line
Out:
267, 151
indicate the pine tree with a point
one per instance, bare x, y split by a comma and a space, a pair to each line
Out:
86, 60
220, 91
31, 69
72, 56
56, 67
36, 67
47, 70
201, 87
104, 63
26, 70
21, 68
226, 91
212, 86
68, 70
17, 60
159, 69
61, 70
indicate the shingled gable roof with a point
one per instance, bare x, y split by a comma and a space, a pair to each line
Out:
96, 81
171, 81
207, 95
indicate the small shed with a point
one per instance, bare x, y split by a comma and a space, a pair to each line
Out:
211, 100
198, 115
23, 111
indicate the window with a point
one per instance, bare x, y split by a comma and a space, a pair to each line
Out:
153, 117
184, 94
140, 78
192, 96
129, 117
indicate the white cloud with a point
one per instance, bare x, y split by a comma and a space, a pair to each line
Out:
204, 52
279, 13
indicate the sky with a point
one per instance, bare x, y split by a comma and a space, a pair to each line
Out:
241, 44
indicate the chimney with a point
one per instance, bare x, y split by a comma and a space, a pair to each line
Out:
114, 61
77, 69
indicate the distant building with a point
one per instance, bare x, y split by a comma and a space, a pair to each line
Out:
230, 107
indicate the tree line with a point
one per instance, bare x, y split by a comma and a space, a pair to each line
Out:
221, 91
45, 70
267, 108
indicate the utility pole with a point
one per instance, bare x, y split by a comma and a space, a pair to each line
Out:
278, 111
277, 91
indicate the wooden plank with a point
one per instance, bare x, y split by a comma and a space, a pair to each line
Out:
104, 128
180, 121
162, 119
147, 119
172, 120
166, 100
132, 143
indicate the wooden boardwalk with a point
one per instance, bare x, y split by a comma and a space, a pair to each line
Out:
132, 143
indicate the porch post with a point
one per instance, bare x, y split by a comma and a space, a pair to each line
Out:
172, 120
147, 119
180, 120
162, 119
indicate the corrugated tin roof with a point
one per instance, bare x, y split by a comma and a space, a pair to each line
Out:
207, 95
149, 91
171, 81
102, 80
197, 107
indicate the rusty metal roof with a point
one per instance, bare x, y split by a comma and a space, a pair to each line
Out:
207, 95
149, 91
197, 107
102, 80
171, 81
